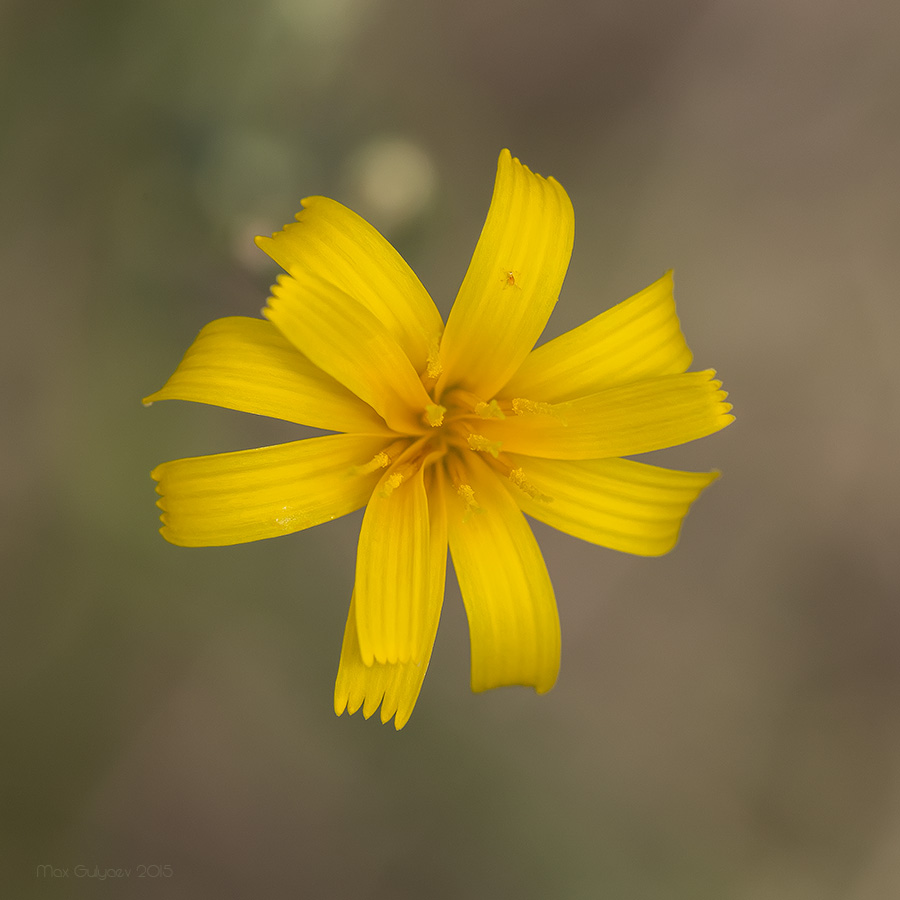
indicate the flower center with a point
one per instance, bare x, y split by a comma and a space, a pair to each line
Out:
454, 423
449, 431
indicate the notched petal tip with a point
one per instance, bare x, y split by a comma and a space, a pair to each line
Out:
372, 702
399, 718
548, 685
169, 538
506, 159
370, 699
307, 202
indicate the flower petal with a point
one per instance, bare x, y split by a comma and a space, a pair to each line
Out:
513, 622
639, 338
395, 686
350, 343
393, 570
621, 421
232, 498
248, 365
617, 503
513, 281
343, 249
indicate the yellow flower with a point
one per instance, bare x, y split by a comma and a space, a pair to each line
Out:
446, 434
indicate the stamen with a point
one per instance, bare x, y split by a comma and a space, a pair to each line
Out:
382, 459
391, 484
468, 495
433, 364
518, 478
378, 461
490, 410
480, 442
523, 407
434, 414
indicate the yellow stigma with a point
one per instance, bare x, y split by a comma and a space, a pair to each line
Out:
480, 442
434, 414
518, 478
378, 461
433, 362
468, 495
523, 407
392, 482
489, 410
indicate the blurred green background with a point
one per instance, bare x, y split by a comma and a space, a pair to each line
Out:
726, 721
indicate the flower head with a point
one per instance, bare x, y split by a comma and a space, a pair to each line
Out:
446, 434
